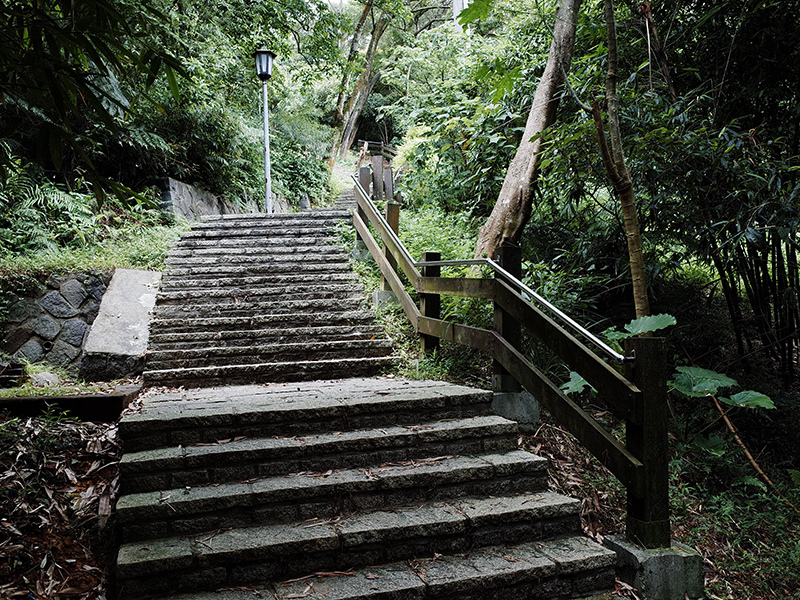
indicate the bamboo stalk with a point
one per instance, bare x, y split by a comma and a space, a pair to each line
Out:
751, 460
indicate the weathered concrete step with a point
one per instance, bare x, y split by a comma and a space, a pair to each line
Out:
244, 295
203, 339
296, 250
263, 259
565, 567
318, 239
297, 497
275, 372
276, 231
282, 220
211, 271
242, 557
246, 355
259, 218
278, 306
254, 282
298, 319
284, 409
243, 459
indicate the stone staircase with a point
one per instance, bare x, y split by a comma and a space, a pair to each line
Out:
252, 298
311, 486
375, 488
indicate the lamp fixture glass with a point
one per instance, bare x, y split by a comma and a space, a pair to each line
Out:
264, 59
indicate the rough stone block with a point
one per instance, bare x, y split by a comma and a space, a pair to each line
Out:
73, 292
660, 574
90, 310
56, 305
17, 338
45, 327
73, 331
96, 288
32, 351
23, 309
62, 354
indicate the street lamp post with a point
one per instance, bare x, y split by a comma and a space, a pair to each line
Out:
264, 59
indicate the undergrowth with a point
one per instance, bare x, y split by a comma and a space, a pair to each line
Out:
430, 229
135, 246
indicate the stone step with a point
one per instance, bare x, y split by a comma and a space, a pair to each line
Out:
256, 282
203, 339
240, 294
270, 372
264, 259
247, 355
275, 231
253, 555
215, 221
276, 307
288, 320
243, 459
316, 240
565, 567
296, 251
327, 494
215, 272
206, 415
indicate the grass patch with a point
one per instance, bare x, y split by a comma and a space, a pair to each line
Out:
131, 247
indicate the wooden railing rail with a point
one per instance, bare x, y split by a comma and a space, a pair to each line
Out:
638, 397
377, 149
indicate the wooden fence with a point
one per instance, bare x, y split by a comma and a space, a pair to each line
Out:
638, 397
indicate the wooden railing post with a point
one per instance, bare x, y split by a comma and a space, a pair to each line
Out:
393, 219
646, 438
430, 305
377, 178
510, 258
360, 251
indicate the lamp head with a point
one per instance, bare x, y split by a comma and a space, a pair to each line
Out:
264, 59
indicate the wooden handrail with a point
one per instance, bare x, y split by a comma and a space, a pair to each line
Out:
638, 398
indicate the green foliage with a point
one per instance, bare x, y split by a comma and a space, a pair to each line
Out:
35, 215
694, 382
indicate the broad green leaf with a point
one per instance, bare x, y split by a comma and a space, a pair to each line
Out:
576, 384
684, 384
477, 9
697, 382
614, 335
749, 399
650, 323
714, 444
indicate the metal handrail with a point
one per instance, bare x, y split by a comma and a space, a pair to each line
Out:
488, 262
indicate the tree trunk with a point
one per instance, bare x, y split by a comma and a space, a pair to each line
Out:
350, 128
351, 61
358, 97
618, 171
513, 207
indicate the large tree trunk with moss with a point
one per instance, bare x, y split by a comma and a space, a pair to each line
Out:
513, 207
348, 127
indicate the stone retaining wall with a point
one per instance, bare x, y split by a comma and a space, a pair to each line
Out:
51, 325
192, 202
